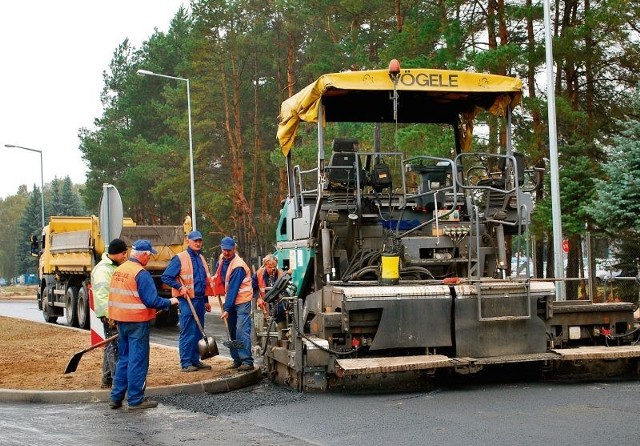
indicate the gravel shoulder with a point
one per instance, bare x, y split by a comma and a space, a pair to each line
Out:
33, 356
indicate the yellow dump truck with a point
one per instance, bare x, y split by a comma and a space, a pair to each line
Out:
71, 246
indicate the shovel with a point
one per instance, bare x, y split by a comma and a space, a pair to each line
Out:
75, 359
207, 346
229, 343
72, 365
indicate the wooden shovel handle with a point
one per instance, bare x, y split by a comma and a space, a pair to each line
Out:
195, 316
226, 324
193, 310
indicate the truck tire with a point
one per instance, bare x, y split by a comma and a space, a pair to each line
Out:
83, 308
48, 315
71, 306
167, 318
173, 318
52, 319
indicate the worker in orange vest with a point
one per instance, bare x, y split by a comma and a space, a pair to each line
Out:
264, 278
234, 275
188, 275
133, 300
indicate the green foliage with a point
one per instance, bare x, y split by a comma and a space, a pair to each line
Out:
243, 57
30, 225
616, 208
578, 175
576, 188
140, 143
63, 199
11, 211
503, 56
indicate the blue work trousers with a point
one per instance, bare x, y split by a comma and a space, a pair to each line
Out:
189, 332
240, 330
133, 362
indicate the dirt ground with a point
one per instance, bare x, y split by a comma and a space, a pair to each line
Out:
18, 292
33, 356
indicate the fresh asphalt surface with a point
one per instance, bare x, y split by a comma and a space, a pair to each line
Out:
515, 414
510, 413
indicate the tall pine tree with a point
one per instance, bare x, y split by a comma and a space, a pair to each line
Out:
64, 199
30, 225
11, 210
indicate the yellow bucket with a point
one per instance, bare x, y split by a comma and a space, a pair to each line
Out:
390, 268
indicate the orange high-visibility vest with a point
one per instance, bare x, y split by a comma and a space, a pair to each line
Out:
125, 304
218, 285
261, 283
186, 274
245, 293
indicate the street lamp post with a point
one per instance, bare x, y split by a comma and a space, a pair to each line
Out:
556, 215
193, 190
41, 175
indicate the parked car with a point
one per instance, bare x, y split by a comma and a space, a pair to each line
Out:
519, 266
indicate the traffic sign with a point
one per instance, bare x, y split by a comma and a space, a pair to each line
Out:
111, 213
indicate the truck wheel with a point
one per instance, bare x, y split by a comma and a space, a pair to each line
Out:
48, 317
173, 318
71, 306
83, 308
167, 318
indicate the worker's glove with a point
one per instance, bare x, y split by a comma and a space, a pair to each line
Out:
110, 322
262, 305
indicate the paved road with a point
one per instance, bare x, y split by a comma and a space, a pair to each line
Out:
503, 414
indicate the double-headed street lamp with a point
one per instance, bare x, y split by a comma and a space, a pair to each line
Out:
193, 191
41, 174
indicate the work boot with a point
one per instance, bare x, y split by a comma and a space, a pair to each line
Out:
202, 366
190, 368
245, 367
145, 404
115, 404
234, 365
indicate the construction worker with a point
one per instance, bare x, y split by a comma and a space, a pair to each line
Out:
133, 300
100, 280
264, 278
233, 274
188, 276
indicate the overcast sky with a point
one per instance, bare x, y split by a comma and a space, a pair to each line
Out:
52, 57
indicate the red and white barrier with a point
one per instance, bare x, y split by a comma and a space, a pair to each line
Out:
97, 329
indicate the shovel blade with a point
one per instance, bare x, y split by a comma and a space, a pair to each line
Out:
72, 365
233, 344
75, 359
207, 347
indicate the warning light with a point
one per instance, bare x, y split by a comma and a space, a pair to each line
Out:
394, 68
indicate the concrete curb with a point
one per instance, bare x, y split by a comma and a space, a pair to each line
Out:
95, 396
